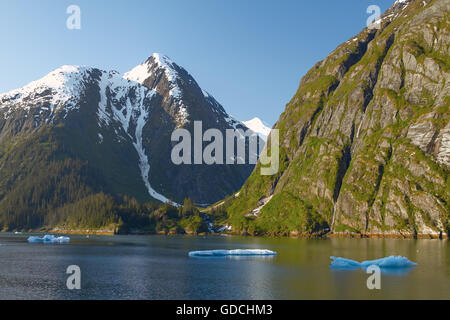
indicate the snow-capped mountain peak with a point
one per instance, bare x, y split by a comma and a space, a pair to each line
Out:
60, 86
153, 64
258, 126
158, 67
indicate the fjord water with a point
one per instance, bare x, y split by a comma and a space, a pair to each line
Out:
158, 267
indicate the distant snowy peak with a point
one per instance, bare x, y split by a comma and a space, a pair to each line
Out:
258, 126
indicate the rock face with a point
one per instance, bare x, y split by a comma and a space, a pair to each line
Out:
82, 130
183, 102
364, 143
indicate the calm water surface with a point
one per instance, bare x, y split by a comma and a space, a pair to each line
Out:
158, 267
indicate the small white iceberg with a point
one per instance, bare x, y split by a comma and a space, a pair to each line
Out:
237, 252
389, 262
48, 239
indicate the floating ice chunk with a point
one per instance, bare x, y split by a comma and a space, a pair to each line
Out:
237, 252
389, 262
48, 239
342, 263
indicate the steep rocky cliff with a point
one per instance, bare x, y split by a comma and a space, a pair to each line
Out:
365, 141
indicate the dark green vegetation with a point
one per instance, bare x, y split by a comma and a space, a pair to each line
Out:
53, 179
364, 141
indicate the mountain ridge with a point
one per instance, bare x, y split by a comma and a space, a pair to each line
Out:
109, 135
364, 141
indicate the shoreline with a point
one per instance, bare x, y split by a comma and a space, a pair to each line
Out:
442, 236
323, 235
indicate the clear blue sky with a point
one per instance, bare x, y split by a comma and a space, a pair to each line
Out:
249, 54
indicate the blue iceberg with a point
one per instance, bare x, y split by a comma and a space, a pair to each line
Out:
391, 262
237, 252
48, 239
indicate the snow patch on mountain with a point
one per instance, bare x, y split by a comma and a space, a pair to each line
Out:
124, 97
102, 114
144, 165
129, 102
139, 73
